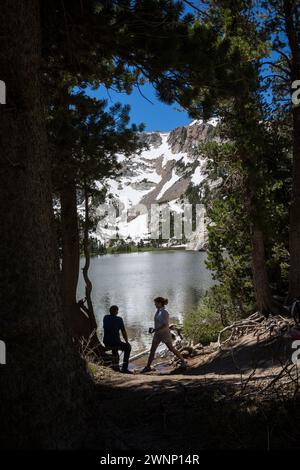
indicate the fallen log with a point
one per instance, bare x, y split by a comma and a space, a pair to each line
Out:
255, 324
139, 355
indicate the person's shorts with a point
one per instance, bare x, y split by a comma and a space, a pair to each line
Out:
162, 337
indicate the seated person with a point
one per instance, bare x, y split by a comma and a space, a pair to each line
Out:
112, 325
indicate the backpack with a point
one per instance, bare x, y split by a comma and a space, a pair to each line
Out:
295, 311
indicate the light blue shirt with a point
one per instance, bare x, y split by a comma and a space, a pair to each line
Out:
161, 318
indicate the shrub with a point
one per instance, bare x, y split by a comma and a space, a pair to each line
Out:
214, 311
202, 324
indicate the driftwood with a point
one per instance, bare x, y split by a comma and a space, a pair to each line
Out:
187, 350
191, 351
139, 355
257, 325
285, 382
177, 328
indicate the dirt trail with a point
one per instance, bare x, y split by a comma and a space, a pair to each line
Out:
231, 365
200, 408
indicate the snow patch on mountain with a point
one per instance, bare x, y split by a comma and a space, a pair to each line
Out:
213, 121
126, 193
161, 173
168, 184
198, 176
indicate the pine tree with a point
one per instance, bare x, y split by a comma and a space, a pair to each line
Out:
245, 123
45, 399
86, 136
283, 24
125, 48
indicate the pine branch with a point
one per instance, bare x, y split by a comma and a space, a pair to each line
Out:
187, 2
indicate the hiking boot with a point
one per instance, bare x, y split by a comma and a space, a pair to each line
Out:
126, 371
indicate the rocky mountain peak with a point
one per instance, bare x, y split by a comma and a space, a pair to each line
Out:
185, 139
152, 139
160, 174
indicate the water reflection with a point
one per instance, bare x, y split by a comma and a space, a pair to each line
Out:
133, 280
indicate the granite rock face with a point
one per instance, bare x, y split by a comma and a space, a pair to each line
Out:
186, 139
152, 139
161, 174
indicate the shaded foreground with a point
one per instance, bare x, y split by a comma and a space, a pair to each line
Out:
224, 401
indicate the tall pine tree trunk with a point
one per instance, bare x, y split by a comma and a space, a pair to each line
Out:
45, 384
263, 296
81, 324
292, 32
93, 340
70, 250
264, 301
294, 241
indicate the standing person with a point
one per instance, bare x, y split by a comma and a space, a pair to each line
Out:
162, 333
112, 325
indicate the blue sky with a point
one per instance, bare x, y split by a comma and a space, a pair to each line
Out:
157, 116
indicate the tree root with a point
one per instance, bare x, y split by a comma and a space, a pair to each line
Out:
257, 325
93, 351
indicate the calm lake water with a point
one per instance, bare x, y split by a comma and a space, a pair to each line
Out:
133, 280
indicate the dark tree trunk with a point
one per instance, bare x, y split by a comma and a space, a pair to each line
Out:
81, 324
89, 327
294, 242
44, 401
294, 237
85, 271
263, 295
70, 251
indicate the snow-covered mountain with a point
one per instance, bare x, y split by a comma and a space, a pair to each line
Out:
160, 174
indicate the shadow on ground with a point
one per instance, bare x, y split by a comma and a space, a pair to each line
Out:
199, 409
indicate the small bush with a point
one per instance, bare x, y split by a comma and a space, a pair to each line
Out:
201, 324
214, 311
